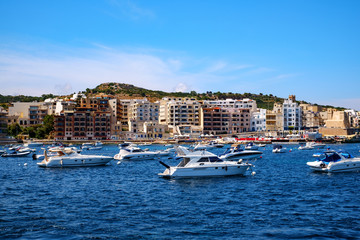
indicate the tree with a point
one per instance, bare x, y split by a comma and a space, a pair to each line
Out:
14, 129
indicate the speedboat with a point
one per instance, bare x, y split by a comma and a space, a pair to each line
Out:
204, 164
70, 158
318, 145
215, 144
201, 146
135, 153
278, 149
235, 152
251, 146
16, 154
307, 146
332, 161
33, 144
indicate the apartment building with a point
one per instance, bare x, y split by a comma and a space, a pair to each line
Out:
141, 111
180, 111
274, 118
258, 120
292, 114
28, 113
91, 120
219, 120
245, 103
311, 117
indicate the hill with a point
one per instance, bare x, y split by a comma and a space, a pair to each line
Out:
123, 90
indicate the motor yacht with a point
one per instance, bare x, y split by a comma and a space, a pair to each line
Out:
16, 154
251, 146
307, 146
204, 164
135, 153
278, 149
332, 161
202, 146
70, 158
235, 152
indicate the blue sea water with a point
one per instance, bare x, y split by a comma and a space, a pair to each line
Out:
283, 200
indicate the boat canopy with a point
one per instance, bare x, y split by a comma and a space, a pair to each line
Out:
277, 146
329, 157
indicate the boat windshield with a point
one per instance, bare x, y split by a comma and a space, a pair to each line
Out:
329, 157
346, 154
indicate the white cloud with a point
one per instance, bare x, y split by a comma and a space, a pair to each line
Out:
182, 87
64, 71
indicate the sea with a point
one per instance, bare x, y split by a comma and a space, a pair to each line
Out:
128, 200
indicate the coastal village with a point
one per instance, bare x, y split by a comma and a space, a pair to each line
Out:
109, 117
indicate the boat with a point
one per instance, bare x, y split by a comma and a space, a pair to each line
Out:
332, 161
31, 144
215, 144
16, 154
235, 152
278, 149
204, 164
135, 153
307, 146
251, 146
318, 145
70, 158
202, 146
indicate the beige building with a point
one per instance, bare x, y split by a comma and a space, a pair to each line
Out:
337, 124
180, 111
141, 111
274, 118
311, 117
28, 113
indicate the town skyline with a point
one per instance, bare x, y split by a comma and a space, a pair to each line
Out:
280, 48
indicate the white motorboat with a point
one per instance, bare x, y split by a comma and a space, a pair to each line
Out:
251, 146
31, 144
235, 152
307, 146
278, 149
16, 154
204, 164
69, 158
318, 145
215, 144
202, 146
332, 161
135, 153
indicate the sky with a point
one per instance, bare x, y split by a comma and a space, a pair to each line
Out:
307, 48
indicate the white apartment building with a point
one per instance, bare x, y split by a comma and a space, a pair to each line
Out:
258, 120
141, 111
245, 103
292, 114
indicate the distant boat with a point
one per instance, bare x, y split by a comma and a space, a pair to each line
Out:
278, 149
16, 154
235, 152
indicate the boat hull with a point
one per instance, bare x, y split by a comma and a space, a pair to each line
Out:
207, 171
75, 162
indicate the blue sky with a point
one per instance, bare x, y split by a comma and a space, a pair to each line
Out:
307, 48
